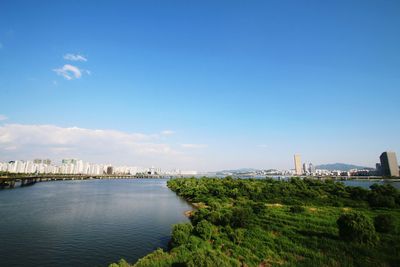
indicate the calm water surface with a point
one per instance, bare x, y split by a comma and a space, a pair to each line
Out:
86, 223
367, 183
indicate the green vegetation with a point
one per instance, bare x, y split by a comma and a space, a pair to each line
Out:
384, 223
275, 223
357, 227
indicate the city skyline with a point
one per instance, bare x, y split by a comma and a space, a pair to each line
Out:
158, 84
388, 166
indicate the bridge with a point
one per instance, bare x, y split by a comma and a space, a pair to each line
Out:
25, 180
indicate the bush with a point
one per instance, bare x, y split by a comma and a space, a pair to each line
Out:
383, 196
258, 207
181, 233
220, 217
210, 258
241, 216
121, 263
297, 209
204, 229
376, 200
157, 258
384, 223
357, 227
238, 235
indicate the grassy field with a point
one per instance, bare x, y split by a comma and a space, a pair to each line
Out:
271, 223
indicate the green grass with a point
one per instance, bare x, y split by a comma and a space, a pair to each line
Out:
253, 227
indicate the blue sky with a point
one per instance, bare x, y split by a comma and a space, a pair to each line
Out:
207, 85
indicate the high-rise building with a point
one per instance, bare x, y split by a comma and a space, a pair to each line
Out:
110, 170
311, 168
378, 168
44, 161
389, 166
297, 164
68, 161
305, 168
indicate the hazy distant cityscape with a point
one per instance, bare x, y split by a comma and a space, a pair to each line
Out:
77, 166
388, 166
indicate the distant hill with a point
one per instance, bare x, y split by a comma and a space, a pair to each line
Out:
242, 170
341, 167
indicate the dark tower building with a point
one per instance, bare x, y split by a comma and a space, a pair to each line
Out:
378, 169
389, 165
110, 170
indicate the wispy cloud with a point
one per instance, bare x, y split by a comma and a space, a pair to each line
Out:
29, 141
194, 145
167, 132
3, 117
75, 57
69, 72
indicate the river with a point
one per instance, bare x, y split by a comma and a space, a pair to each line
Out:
90, 222
86, 223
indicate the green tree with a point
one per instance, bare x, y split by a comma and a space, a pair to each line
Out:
384, 223
297, 209
241, 216
204, 229
121, 263
383, 196
357, 227
210, 258
181, 233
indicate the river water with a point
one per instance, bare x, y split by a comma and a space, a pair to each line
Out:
86, 223
92, 222
367, 183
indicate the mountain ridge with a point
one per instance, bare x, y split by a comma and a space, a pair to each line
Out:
340, 167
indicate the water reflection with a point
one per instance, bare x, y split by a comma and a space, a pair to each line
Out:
86, 223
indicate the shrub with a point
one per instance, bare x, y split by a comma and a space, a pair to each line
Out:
238, 235
297, 209
258, 207
241, 216
210, 258
220, 217
383, 196
204, 229
121, 263
358, 193
357, 227
199, 215
181, 233
376, 200
384, 223
157, 258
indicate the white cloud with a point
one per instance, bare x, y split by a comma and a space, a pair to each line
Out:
193, 145
3, 117
167, 132
75, 57
30, 141
69, 72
